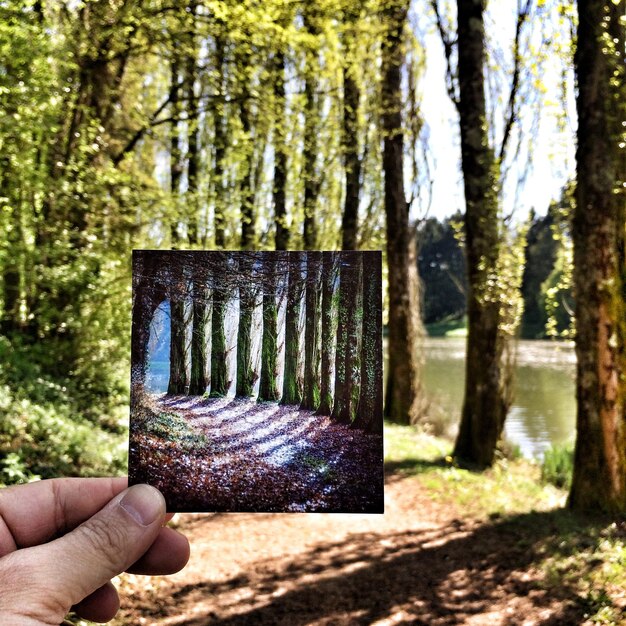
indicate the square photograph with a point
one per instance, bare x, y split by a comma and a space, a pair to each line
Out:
256, 380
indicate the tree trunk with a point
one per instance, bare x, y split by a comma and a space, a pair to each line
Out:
175, 156
247, 301
484, 407
178, 333
598, 229
346, 372
268, 390
281, 237
148, 293
350, 142
292, 388
369, 414
311, 390
404, 402
9, 322
219, 370
193, 132
198, 380
329, 275
311, 122
220, 145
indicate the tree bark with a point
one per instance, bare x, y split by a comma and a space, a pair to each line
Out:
369, 413
268, 390
220, 145
281, 237
148, 293
247, 300
198, 380
292, 387
178, 332
329, 275
598, 229
404, 402
219, 370
311, 389
350, 137
484, 407
175, 156
311, 122
346, 371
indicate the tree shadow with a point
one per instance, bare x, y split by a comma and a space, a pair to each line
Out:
440, 577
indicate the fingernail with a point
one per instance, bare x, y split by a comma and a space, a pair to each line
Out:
144, 503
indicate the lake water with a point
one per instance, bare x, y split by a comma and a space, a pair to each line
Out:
544, 409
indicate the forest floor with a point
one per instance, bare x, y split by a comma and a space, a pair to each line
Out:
228, 454
453, 547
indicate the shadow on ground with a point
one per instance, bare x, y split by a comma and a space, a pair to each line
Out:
458, 573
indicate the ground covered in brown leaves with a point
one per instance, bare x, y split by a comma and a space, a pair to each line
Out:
230, 454
417, 564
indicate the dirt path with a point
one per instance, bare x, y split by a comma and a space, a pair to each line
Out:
416, 564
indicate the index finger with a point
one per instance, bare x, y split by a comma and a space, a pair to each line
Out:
37, 512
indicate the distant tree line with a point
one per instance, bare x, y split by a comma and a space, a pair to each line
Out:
548, 302
332, 360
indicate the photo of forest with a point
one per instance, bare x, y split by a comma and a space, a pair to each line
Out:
257, 380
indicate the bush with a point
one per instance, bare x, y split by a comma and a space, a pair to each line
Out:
558, 465
43, 432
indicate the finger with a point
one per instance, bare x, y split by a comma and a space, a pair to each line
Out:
101, 605
35, 513
168, 554
74, 566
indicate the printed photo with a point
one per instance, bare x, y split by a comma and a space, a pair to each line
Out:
256, 380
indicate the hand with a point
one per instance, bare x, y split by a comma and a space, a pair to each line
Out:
62, 540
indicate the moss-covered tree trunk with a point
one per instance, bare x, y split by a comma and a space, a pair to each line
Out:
369, 413
219, 369
484, 406
268, 389
292, 387
198, 379
178, 331
598, 229
404, 401
328, 338
247, 301
312, 301
148, 293
346, 371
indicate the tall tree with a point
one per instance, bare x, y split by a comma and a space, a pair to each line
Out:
219, 369
599, 234
311, 123
219, 131
350, 142
328, 338
178, 332
404, 401
281, 236
247, 302
484, 406
268, 389
369, 413
311, 388
348, 337
292, 386
198, 379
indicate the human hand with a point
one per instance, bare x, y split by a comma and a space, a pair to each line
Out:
62, 540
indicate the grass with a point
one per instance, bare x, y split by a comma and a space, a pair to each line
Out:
174, 428
584, 555
448, 328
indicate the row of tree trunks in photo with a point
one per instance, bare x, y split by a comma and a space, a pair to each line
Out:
334, 289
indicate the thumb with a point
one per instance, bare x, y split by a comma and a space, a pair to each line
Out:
75, 565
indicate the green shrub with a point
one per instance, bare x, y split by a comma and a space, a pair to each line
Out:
558, 465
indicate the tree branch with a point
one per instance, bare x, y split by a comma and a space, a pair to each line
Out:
448, 47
